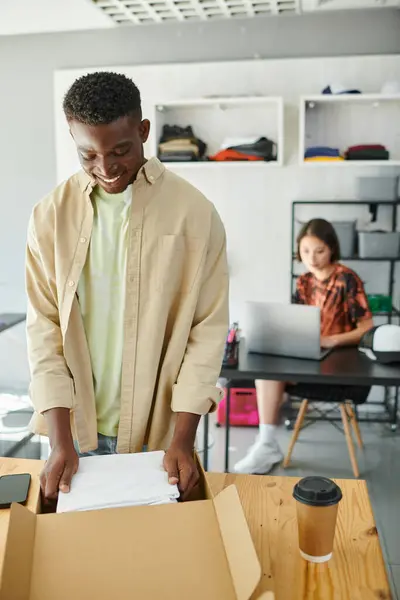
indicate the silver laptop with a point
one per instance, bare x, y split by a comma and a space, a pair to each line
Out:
291, 330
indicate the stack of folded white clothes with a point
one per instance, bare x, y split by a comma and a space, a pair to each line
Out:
117, 480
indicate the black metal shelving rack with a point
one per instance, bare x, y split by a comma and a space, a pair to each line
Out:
393, 314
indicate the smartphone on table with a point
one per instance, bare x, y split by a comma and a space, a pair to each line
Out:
14, 488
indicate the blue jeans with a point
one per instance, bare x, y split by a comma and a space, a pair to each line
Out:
107, 445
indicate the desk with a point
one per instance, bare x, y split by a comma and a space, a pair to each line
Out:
345, 366
356, 571
8, 320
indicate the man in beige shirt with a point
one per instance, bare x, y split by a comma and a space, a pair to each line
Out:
127, 289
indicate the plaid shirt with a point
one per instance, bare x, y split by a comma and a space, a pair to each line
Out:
341, 298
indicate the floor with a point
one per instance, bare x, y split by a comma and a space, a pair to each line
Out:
313, 454
379, 465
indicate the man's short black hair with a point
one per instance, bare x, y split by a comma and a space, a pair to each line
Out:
101, 98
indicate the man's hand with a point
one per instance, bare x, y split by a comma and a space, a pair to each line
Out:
63, 461
58, 471
181, 468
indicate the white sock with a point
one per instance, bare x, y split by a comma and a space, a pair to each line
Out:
267, 433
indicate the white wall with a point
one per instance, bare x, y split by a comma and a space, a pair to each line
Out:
255, 204
28, 16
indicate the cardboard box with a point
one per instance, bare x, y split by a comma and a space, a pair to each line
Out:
195, 550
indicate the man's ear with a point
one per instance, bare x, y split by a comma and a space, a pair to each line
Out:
144, 130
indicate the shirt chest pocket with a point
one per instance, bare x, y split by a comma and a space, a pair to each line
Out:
179, 263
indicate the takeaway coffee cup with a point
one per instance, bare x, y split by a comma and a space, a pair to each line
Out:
317, 505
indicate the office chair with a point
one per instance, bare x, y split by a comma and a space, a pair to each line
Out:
340, 397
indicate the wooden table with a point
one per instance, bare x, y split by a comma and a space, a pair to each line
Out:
356, 571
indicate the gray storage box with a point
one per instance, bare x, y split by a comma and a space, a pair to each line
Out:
378, 189
377, 244
346, 232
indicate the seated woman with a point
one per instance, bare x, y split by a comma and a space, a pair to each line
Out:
345, 317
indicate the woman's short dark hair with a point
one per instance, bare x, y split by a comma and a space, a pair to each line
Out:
324, 231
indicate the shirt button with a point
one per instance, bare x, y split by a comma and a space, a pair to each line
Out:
151, 178
71, 283
83, 240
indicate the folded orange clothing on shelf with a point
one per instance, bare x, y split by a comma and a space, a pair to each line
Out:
233, 155
324, 159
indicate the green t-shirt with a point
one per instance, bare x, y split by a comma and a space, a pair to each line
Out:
101, 293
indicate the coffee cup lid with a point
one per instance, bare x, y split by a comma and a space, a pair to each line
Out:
317, 491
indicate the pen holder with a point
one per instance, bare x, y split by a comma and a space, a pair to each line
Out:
231, 355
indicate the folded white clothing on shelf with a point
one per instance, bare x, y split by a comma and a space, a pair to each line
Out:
117, 480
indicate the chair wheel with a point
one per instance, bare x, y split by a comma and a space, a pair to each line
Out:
288, 424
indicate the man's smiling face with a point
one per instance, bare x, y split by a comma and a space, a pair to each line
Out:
111, 154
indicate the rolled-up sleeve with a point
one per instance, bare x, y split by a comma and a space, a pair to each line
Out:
195, 390
51, 381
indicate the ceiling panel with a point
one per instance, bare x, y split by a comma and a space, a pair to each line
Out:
40, 16
149, 11
126, 12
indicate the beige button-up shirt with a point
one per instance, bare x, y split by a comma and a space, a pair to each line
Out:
176, 309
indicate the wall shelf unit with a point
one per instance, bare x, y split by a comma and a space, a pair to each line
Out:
344, 120
216, 119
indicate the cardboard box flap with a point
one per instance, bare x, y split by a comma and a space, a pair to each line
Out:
17, 565
199, 549
156, 551
242, 558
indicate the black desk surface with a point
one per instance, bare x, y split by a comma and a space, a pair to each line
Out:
343, 366
8, 320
